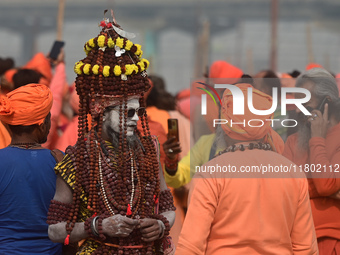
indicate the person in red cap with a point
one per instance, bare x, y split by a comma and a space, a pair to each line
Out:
27, 179
242, 211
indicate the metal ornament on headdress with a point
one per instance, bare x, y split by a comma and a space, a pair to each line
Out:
119, 51
124, 33
120, 31
124, 77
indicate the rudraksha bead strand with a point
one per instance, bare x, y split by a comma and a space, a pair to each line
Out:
166, 201
58, 212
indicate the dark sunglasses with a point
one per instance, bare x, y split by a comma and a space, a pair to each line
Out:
131, 112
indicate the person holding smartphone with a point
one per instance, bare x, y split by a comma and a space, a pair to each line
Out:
315, 148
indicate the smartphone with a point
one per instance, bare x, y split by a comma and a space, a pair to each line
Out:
57, 45
321, 107
173, 128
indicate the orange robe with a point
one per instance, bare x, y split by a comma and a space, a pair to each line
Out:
41, 64
248, 215
70, 135
5, 137
326, 152
160, 116
57, 87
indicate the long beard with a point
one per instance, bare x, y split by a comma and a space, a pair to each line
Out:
132, 141
304, 133
220, 142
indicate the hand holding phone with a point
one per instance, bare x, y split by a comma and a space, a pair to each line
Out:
321, 106
56, 48
173, 129
172, 146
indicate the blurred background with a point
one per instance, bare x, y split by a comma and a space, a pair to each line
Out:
181, 38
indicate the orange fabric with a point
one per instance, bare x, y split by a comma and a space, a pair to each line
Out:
156, 129
194, 91
212, 113
183, 102
313, 65
195, 105
57, 86
183, 106
275, 140
5, 137
41, 64
326, 152
233, 216
222, 69
328, 246
337, 77
27, 105
185, 93
9, 74
70, 135
261, 101
74, 101
287, 81
158, 115
201, 124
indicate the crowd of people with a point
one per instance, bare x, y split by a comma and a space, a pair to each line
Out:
89, 167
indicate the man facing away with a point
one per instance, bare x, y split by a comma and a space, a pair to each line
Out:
242, 211
27, 179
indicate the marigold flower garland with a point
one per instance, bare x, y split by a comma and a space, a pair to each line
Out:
122, 43
88, 69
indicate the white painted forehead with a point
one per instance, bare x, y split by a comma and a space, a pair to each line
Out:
133, 101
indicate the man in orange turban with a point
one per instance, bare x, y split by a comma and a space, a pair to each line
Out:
234, 208
25, 106
209, 145
256, 130
27, 178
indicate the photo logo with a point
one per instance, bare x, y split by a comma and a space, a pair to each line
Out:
239, 104
204, 97
238, 99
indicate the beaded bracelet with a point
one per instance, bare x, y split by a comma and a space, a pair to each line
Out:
171, 163
166, 201
165, 222
58, 212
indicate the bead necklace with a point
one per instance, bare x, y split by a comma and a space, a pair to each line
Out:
132, 181
106, 201
135, 195
24, 145
242, 147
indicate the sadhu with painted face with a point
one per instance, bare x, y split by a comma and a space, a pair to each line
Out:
111, 196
